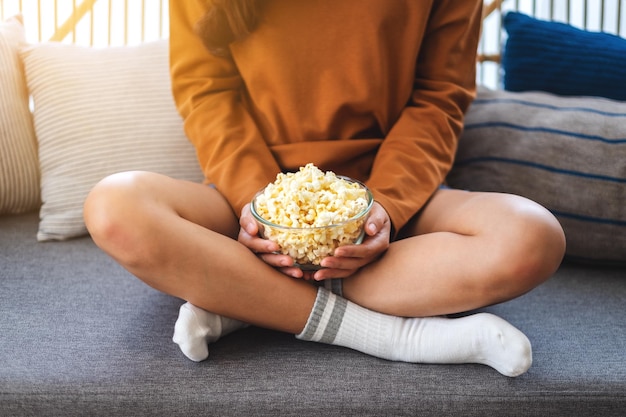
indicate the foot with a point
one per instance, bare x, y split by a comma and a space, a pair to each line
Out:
480, 338
196, 328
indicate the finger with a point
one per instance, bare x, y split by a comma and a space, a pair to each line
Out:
330, 273
293, 272
376, 220
277, 260
247, 222
371, 246
371, 228
335, 262
308, 275
351, 251
255, 243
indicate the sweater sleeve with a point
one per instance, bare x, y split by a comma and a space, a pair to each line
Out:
208, 94
418, 151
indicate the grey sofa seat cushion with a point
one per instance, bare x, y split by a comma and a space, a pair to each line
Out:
80, 336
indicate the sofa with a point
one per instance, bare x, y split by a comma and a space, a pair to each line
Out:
79, 335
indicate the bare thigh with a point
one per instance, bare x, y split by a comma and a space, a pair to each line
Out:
180, 238
465, 250
472, 213
136, 191
142, 219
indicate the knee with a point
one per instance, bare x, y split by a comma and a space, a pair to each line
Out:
533, 246
111, 212
108, 201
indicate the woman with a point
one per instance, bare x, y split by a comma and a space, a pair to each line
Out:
373, 92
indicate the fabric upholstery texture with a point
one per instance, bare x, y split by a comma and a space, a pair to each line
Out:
561, 59
19, 169
99, 111
566, 153
81, 336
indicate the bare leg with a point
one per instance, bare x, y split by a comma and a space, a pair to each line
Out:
178, 237
466, 250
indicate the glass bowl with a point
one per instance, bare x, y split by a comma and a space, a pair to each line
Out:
309, 245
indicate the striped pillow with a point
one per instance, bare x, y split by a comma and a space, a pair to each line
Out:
99, 111
566, 153
19, 170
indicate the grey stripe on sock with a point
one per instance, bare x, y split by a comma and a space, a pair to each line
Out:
336, 286
336, 317
316, 314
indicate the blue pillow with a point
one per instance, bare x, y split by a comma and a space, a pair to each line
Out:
561, 59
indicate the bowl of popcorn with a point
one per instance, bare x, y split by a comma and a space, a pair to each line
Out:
310, 213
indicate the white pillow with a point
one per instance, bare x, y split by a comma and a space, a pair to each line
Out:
99, 111
19, 170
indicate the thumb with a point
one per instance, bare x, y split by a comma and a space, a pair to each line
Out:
247, 221
371, 228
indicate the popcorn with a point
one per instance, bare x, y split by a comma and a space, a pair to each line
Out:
320, 206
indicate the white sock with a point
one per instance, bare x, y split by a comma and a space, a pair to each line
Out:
196, 328
481, 338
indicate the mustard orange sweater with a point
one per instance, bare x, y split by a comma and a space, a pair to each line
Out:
374, 90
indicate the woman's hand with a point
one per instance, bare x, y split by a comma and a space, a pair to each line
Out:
265, 249
346, 260
350, 258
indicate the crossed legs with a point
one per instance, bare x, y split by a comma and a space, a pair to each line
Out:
465, 251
